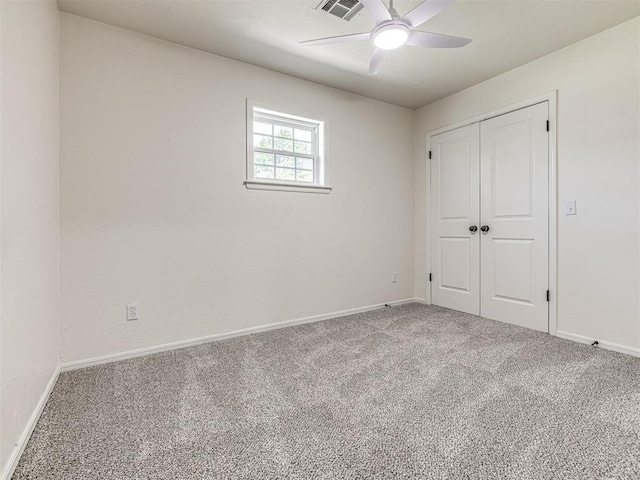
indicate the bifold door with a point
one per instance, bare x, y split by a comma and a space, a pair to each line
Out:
490, 214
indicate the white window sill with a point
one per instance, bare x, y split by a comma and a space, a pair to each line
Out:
286, 187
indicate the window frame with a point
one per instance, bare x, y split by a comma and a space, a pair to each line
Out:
292, 119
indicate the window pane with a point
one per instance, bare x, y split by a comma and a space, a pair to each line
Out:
303, 135
264, 128
304, 176
282, 144
285, 174
285, 132
303, 147
304, 163
260, 171
282, 161
262, 141
263, 158
285, 148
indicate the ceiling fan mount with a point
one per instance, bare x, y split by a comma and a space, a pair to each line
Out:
393, 31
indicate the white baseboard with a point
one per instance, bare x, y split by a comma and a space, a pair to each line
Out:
140, 352
421, 301
601, 343
20, 445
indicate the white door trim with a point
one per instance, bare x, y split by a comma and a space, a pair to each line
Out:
550, 97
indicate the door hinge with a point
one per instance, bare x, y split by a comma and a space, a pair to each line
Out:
429, 277
547, 125
547, 295
429, 154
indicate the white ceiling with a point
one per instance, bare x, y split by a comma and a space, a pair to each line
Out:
506, 34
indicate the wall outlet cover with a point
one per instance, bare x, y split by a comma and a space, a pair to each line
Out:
132, 311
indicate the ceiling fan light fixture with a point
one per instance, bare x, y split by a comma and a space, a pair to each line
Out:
389, 37
392, 31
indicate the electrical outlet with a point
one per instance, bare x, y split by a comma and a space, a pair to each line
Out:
394, 277
132, 311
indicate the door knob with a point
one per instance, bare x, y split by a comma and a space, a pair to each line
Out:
473, 229
484, 228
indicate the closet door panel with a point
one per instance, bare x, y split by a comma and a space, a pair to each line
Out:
514, 244
455, 253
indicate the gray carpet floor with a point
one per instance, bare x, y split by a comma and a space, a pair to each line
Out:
404, 392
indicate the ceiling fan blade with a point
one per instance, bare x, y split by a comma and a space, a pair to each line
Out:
377, 10
425, 11
436, 40
376, 61
339, 39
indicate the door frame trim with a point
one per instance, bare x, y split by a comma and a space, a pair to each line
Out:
550, 97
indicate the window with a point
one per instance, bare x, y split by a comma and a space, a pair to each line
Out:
284, 151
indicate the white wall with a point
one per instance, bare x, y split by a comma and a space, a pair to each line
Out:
598, 154
153, 209
29, 220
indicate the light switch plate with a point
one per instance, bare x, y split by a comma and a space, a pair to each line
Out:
570, 208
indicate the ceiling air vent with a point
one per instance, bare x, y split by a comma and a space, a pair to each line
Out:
345, 9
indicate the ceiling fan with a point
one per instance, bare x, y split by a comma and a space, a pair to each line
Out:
392, 31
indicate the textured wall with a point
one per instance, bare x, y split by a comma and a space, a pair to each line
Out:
154, 211
598, 85
29, 220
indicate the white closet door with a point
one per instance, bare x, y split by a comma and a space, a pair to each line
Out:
514, 182
455, 207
